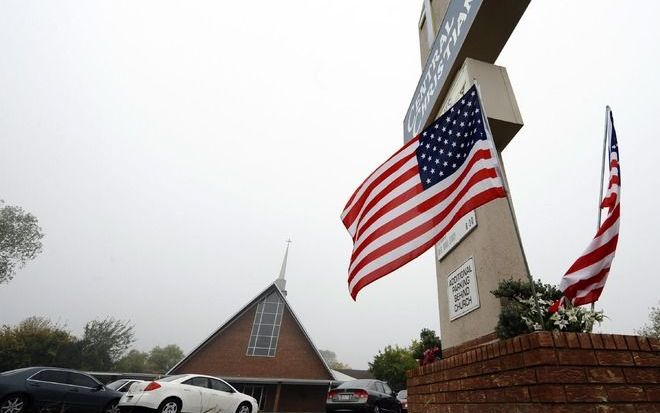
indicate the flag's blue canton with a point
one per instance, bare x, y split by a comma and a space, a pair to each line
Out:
614, 146
445, 145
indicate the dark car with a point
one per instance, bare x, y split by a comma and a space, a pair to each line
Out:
51, 389
365, 396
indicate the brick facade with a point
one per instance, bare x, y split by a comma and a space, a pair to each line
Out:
295, 380
543, 373
226, 354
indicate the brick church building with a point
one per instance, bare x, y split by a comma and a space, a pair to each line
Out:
264, 350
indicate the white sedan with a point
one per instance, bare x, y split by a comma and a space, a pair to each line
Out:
187, 393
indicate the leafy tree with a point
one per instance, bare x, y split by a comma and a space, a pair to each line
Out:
652, 329
158, 360
134, 362
391, 364
331, 359
37, 341
104, 342
427, 341
20, 239
161, 359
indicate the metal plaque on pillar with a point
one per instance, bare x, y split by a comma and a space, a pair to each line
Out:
462, 291
455, 235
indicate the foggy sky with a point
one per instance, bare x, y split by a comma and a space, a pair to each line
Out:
170, 148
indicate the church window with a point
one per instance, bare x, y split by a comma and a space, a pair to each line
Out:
266, 326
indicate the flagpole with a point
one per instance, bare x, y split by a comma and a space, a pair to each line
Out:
602, 166
500, 169
602, 179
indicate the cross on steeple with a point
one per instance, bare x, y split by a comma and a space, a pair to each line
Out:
281, 281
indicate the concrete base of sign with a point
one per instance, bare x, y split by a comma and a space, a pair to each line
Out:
497, 256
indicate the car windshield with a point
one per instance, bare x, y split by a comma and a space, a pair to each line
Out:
172, 378
403, 394
116, 384
360, 384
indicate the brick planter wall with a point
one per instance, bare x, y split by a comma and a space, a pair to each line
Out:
543, 373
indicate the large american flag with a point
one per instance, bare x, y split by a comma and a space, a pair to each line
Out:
584, 281
410, 201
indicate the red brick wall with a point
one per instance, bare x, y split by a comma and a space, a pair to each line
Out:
543, 373
225, 355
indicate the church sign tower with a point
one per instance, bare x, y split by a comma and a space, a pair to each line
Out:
459, 41
538, 372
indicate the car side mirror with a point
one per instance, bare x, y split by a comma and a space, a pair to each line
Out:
99, 387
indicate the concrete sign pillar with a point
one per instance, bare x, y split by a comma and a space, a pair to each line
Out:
484, 247
491, 252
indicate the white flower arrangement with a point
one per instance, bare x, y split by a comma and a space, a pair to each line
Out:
565, 319
520, 314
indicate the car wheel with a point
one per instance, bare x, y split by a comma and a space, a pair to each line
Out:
15, 403
112, 407
169, 406
244, 408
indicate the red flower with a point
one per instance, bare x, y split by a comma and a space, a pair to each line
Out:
430, 355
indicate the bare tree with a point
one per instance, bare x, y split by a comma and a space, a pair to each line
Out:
652, 329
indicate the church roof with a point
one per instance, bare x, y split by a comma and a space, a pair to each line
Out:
273, 287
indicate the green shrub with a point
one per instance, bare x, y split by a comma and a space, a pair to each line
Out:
427, 340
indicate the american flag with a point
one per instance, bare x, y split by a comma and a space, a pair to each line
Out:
584, 281
410, 201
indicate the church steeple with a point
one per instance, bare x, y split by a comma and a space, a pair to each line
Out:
281, 281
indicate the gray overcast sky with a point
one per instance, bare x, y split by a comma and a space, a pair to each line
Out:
169, 148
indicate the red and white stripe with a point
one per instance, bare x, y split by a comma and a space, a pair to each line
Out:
611, 198
393, 220
584, 281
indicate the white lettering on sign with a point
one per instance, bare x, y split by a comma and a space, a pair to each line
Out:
459, 16
462, 290
456, 234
